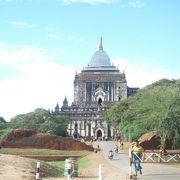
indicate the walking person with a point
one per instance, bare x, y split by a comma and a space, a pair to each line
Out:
122, 145
116, 148
137, 152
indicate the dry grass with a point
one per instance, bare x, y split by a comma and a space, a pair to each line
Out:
45, 152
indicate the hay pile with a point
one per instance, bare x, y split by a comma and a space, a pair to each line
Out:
151, 141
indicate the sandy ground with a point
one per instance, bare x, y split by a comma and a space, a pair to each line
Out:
15, 168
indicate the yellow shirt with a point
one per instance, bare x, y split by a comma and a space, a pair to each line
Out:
137, 149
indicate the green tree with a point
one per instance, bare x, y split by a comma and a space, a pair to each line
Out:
40, 120
56, 126
31, 120
153, 108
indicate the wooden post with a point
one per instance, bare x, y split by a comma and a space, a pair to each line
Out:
101, 176
38, 171
69, 171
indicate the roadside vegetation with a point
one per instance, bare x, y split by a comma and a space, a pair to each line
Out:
154, 108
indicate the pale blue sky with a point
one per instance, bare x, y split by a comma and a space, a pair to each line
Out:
44, 42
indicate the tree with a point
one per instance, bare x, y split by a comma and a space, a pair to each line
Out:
40, 120
154, 108
2, 120
31, 120
56, 126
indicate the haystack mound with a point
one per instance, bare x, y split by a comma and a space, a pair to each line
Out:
151, 141
31, 139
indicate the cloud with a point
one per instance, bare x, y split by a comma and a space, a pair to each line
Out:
20, 24
44, 85
44, 82
75, 39
137, 3
64, 38
142, 73
124, 3
89, 1
54, 36
12, 55
16, 1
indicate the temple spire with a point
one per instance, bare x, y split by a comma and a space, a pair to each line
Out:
100, 44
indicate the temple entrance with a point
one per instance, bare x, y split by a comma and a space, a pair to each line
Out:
99, 134
99, 101
75, 135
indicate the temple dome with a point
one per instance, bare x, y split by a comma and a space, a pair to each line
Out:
100, 61
100, 58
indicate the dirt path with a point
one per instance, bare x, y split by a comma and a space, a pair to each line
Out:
15, 168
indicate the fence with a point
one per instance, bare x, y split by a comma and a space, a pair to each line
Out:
154, 156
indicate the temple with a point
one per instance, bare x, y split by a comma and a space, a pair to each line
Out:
96, 88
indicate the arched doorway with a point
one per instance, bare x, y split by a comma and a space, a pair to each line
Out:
99, 134
75, 135
99, 101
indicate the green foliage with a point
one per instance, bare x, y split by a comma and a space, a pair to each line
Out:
40, 120
154, 108
2, 120
56, 126
32, 120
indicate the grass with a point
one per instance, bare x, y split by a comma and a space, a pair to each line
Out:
59, 164
48, 170
82, 163
41, 152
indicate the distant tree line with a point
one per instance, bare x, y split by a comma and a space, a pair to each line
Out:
39, 120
